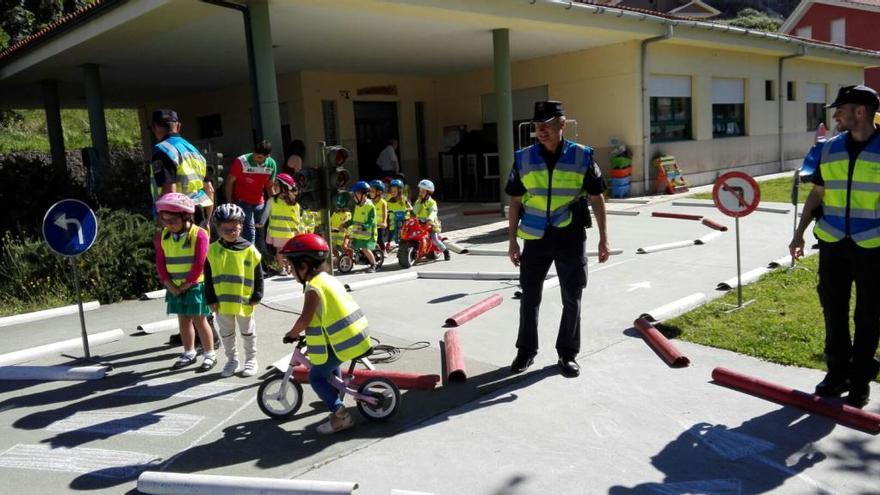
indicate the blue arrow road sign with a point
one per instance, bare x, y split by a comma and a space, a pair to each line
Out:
70, 227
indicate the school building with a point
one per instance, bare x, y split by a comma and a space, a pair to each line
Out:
431, 72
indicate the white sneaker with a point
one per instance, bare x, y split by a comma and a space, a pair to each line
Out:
229, 368
250, 368
338, 421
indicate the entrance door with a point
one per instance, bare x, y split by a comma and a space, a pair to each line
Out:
375, 123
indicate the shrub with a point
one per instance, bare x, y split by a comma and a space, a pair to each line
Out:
118, 266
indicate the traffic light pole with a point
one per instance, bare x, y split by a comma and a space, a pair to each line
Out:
325, 213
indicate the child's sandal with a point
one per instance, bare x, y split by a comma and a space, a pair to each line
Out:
207, 364
183, 361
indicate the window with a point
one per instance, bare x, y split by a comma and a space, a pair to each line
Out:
804, 32
670, 105
790, 89
210, 126
769, 90
328, 109
838, 31
815, 105
728, 108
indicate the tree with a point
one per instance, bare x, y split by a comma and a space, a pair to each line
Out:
754, 19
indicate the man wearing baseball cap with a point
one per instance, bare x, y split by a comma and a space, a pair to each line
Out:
847, 187
548, 185
177, 166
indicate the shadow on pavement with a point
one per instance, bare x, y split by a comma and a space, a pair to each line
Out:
758, 456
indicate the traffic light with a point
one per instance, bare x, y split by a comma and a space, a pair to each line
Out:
335, 158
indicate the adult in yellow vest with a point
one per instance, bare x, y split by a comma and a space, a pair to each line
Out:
548, 186
847, 187
335, 326
363, 224
234, 285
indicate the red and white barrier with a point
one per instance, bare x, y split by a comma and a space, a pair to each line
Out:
661, 344
455, 370
472, 312
164, 483
676, 307
679, 216
372, 282
830, 408
714, 225
33, 353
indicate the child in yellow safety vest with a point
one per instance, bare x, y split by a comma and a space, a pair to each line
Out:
377, 189
283, 214
363, 224
234, 285
335, 326
181, 249
426, 210
398, 206
339, 234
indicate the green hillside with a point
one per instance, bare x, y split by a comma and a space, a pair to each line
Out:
25, 130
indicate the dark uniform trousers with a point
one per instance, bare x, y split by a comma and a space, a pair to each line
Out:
840, 264
566, 247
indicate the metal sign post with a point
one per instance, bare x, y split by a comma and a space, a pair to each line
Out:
736, 194
70, 228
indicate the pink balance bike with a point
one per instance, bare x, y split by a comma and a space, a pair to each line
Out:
280, 396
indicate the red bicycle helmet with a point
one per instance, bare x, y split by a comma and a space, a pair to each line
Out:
286, 181
175, 203
310, 246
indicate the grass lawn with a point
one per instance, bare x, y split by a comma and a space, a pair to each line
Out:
30, 134
776, 190
784, 324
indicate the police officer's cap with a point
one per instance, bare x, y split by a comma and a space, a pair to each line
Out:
164, 116
545, 111
857, 95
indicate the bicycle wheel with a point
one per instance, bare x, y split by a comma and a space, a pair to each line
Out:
279, 400
388, 395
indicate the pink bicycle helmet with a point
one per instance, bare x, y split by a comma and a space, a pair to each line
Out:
175, 203
286, 181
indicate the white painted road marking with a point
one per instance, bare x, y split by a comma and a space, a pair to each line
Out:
99, 462
160, 387
126, 423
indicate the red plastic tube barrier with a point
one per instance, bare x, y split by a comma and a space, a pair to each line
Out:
470, 213
839, 412
402, 380
455, 372
680, 216
714, 225
472, 312
661, 344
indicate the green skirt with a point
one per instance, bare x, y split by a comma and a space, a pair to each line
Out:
363, 243
190, 303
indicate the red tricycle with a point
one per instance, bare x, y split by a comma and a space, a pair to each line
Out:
415, 243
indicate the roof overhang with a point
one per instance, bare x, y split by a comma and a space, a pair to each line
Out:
152, 49
801, 10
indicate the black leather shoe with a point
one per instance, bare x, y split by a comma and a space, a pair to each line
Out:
569, 367
858, 395
832, 386
521, 362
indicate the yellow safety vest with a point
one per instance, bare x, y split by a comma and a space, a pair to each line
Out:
395, 209
864, 194
381, 212
339, 323
232, 274
311, 220
337, 220
550, 193
427, 211
180, 254
284, 219
359, 219
191, 168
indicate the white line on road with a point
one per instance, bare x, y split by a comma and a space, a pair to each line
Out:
160, 387
97, 462
126, 423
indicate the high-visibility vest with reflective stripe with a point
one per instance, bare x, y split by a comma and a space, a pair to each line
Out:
381, 211
191, 166
284, 219
232, 274
339, 323
550, 193
427, 211
337, 220
864, 196
359, 218
397, 212
180, 254
311, 220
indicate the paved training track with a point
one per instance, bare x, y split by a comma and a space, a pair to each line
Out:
629, 424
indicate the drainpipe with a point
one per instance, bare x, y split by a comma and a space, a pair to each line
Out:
252, 68
646, 104
782, 106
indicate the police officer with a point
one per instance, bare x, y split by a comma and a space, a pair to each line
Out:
548, 186
847, 187
177, 166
